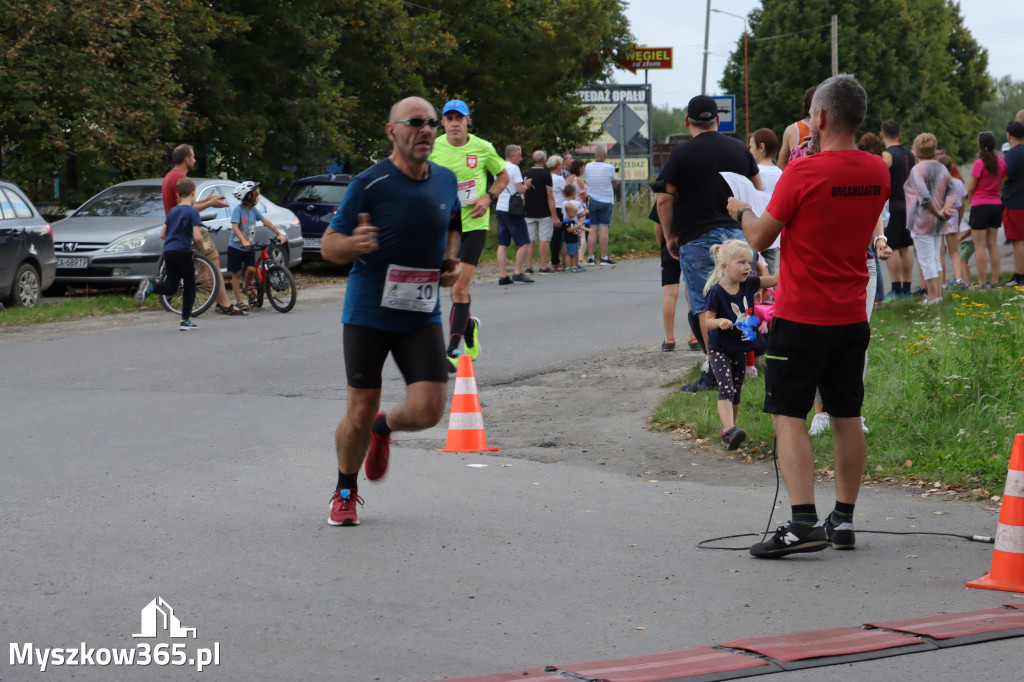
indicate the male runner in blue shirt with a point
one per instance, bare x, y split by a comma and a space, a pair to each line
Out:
400, 225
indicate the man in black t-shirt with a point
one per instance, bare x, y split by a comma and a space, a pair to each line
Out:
541, 216
694, 203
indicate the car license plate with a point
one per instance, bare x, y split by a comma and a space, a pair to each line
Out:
72, 262
312, 242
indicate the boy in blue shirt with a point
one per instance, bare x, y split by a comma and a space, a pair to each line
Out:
180, 233
243, 228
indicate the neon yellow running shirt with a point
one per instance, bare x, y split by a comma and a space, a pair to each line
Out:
471, 163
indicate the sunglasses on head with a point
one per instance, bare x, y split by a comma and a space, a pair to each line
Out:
418, 122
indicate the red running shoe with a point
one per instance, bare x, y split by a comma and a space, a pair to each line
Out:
378, 455
343, 508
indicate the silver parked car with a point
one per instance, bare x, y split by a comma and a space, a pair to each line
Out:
27, 260
114, 238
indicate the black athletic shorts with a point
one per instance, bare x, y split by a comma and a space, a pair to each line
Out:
801, 357
419, 354
986, 216
897, 236
669, 268
472, 246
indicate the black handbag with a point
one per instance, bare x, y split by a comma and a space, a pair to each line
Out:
516, 207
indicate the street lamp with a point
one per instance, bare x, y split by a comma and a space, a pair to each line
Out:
746, 83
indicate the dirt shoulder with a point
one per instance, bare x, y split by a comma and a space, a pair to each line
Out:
596, 416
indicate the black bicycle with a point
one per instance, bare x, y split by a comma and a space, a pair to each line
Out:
207, 284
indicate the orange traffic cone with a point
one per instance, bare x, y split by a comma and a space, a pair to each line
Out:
466, 422
1007, 572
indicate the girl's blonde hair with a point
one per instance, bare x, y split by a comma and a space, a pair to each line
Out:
724, 254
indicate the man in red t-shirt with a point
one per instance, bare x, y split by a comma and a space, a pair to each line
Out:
829, 203
184, 159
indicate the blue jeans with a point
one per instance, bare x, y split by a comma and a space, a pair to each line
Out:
600, 212
512, 229
697, 263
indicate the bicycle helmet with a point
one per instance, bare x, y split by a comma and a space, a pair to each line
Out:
244, 189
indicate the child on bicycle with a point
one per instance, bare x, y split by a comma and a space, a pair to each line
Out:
730, 292
243, 228
181, 233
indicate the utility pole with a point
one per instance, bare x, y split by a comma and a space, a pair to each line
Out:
835, 45
707, 32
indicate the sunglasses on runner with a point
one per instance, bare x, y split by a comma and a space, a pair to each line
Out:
418, 122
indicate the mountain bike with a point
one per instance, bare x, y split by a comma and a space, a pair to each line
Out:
273, 280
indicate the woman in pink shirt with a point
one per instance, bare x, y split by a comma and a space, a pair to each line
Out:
987, 178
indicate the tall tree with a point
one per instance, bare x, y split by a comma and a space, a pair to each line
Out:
519, 64
268, 104
915, 58
97, 92
667, 121
87, 90
1001, 109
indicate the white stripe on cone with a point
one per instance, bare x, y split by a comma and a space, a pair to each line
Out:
1014, 483
465, 386
466, 421
1010, 538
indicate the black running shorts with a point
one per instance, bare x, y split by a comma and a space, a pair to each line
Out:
472, 246
801, 357
897, 236
419, 354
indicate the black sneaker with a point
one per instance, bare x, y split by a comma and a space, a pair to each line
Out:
733, 437
608, 261
522, 279
504, 280
841, 536
791, 539
705, 383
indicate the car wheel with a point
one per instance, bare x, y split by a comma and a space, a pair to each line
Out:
26, 289
278, 253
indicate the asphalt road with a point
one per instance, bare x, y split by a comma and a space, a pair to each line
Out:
139, 462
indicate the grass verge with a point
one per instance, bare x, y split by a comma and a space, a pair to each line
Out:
629, 238
77, 307
942, 396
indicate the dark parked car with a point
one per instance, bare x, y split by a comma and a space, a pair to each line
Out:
315, 200
114, 238
27, 260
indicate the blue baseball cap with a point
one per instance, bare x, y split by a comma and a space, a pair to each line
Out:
456, 105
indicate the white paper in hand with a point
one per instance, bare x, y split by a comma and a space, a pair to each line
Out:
744, 190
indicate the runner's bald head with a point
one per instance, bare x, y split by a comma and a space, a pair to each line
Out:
400, 105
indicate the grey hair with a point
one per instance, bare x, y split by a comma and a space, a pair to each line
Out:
539, 157
844, 100
511, 150
600, 152
554, 161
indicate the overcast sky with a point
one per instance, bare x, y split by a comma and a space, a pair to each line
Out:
996, 24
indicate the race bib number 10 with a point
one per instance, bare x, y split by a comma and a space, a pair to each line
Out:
414, 289
467, 193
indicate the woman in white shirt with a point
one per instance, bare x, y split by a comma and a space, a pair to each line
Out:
558, 189
764, 146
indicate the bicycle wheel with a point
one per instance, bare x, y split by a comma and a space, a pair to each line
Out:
280, 286
207, 283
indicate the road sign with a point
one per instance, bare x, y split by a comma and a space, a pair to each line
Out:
726, 110
623, 122
645, 58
